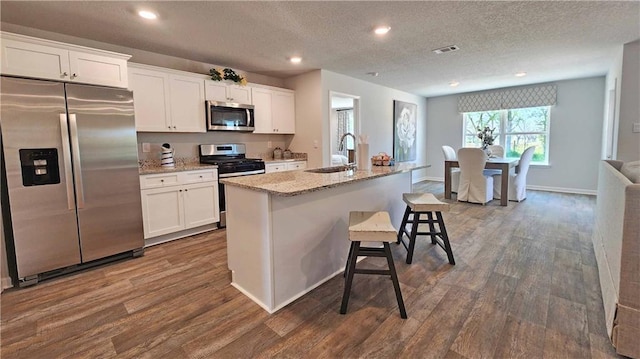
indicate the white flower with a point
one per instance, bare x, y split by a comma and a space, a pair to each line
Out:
406, 130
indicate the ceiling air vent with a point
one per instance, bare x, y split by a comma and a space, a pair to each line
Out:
445, 49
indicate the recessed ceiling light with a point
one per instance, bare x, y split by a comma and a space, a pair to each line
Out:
147, 14
381, 30
454, 83
521, 74
295, 59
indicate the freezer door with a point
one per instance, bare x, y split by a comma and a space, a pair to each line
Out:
43, 212
105, 160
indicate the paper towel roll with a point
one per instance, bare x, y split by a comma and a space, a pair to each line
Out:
364, 162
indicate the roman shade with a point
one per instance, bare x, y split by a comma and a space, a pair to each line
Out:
519, 97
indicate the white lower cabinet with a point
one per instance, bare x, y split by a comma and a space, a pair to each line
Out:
178, 201
285, 166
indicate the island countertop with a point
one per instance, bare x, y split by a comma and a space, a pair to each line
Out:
293, 183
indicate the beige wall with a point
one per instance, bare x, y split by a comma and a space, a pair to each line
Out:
309, 136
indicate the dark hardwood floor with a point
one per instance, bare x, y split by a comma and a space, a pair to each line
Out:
525, 286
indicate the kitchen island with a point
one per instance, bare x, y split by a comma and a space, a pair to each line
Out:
287, 232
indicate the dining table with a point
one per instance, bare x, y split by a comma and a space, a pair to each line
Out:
496, 163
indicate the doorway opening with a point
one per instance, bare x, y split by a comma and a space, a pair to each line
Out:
343, 118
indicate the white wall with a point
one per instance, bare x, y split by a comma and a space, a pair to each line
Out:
612, 108
575, 139
308, 116
313, 104
629, 101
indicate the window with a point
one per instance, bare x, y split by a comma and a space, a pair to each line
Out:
515, 130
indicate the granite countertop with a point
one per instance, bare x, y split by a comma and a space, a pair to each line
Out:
154, 167
293, 183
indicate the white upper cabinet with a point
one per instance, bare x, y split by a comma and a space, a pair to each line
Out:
167, 101
283, 112
187, 104
37, 58
220, 91
274, 110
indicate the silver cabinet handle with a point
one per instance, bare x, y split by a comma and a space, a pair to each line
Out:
64, 74
74, 75
169, 127
66, 157
174, 127
77, 168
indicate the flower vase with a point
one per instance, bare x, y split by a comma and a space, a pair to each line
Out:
487, 150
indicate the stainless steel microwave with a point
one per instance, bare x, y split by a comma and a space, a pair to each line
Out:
226, 116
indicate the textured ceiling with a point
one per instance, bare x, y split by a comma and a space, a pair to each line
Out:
548, 40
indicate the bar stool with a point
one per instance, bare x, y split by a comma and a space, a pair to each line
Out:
419, 204
370, 227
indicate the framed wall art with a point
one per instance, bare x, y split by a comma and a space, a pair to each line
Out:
405, 119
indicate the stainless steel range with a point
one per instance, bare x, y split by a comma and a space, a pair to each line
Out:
232, 162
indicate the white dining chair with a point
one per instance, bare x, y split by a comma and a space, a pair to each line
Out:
475, 186
450, 155
496, 150
517, 181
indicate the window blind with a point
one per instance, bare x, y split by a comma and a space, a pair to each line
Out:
520, 97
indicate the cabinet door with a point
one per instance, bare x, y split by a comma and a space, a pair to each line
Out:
262, 112
162, 211
299, 165
239, 94
32, 60
215, 91
187, 104
283, 113
150, 99
97, 69
201, 204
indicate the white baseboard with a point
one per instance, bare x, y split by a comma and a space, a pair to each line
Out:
177, 235
532, 187
5, 282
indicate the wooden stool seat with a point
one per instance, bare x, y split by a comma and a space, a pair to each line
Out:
424, 204
370, 227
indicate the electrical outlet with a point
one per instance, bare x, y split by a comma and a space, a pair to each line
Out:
146, 147
269, 144
636, 127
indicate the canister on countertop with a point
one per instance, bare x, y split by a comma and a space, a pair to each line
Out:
277, 153
166, 157
287, 154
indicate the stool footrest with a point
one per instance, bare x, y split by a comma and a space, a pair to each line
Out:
372, 271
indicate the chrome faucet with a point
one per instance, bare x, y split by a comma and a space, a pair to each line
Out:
351, 154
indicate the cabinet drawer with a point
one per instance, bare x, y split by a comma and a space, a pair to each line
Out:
296, 165
156, 181
275, 167
199, 176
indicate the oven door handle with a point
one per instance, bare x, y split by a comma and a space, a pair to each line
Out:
238, 174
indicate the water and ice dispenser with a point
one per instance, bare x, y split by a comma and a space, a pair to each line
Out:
39, 166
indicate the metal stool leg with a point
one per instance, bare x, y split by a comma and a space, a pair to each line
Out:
445, 238
349, 276
346, 265
404, 223
394, 279
432, 228
412, 237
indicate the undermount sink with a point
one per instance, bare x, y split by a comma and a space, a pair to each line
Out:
329, 169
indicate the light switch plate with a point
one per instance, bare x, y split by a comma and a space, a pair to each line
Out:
636, 127
146, 147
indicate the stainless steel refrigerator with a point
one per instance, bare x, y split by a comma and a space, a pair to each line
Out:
70, 184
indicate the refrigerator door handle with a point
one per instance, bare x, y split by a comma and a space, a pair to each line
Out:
66, 157
77, 169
